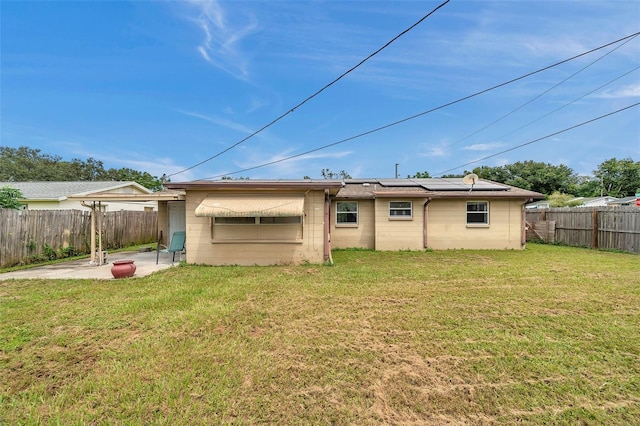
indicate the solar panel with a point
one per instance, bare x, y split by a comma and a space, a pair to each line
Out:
456, 184
443, 184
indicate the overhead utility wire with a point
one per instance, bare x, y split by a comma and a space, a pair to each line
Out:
395, 123
539, 96
542, 138
570, 102
315, 94
561, 107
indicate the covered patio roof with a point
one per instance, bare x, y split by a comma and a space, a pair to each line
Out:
164, 195
94, 201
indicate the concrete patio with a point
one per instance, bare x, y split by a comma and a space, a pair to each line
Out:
82, 269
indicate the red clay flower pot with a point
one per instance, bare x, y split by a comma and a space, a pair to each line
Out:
123, 268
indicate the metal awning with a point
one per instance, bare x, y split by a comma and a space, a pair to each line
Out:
258, 205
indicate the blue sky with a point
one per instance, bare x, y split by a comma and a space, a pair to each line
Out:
160, 86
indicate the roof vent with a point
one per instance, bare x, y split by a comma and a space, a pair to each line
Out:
366, 184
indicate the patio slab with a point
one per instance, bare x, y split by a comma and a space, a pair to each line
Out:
82, 269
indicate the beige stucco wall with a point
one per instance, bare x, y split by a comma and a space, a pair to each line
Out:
399, 234
447, 227
361, 235
202, 249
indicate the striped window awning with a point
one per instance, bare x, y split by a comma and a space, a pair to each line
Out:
244, 206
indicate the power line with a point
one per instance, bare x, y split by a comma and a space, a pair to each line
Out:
291, 110
539, 139
540, 95
571, 102
395, 123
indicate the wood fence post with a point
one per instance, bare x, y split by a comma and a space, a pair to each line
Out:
594, 236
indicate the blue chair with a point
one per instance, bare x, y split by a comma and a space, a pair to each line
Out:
175, 245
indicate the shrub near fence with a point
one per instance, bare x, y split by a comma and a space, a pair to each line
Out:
614, 228
28, 233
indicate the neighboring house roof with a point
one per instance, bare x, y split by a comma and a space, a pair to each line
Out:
542, 204
626, 201
595, 201
60, 191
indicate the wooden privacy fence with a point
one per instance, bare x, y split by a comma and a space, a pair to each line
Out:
616, 228
28, 233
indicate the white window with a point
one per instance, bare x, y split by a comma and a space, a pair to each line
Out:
400, 209
346, 212
477, 212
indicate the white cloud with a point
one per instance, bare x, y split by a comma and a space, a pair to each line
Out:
282, 166
223, 36
484, 146
631, 91
439, 150
220, 121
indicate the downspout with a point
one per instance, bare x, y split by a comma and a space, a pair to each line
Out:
523, 238
424, 223
327, 228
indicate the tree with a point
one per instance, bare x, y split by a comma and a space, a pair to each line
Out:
328, 174
497, 174
26, 164
558, 199
618, 178
586, 186
126, 174
420, 175
535, 176
10, 198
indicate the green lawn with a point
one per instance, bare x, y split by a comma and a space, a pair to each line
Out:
546, 335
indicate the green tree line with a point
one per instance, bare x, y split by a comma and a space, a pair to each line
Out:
25, 164
617, 178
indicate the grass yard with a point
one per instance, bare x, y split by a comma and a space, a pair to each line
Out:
549, 335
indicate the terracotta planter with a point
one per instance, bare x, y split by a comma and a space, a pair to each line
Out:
123, 268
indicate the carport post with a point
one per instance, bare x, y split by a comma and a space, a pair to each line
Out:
100, 234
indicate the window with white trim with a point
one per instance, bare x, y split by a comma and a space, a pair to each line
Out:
477, 212
346, 212
400, 209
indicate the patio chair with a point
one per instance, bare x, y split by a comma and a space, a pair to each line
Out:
175, 245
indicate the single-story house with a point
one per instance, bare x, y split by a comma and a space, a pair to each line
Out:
595, 201
265, 222
633, 200
542, 204
60, 195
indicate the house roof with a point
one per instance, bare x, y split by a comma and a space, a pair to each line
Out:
60, 191
248, 184
430, 188
624, 201
373, 188
163, 195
